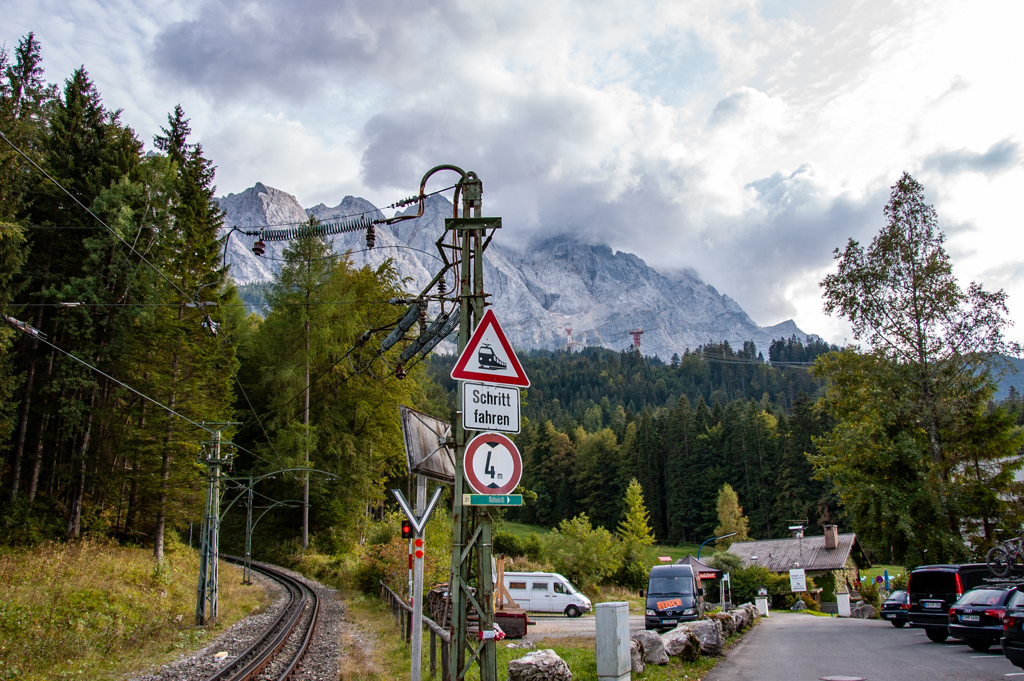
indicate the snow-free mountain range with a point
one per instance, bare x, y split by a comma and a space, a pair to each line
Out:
538, 292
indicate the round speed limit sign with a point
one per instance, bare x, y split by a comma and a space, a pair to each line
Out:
492, 464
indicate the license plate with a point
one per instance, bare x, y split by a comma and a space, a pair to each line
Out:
969, 618
668, 621
890, 616
933, 606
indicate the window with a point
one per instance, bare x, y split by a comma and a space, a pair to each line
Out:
540, 586
683, 584
983, 597
517, 585
561, 588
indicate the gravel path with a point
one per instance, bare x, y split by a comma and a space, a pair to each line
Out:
320, 663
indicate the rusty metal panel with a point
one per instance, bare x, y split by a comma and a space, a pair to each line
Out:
426, 452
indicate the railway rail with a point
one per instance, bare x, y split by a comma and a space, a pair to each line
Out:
277, 653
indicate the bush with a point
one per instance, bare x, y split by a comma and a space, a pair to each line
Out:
581, 552
746, 581
811, 603
505, 542
870, 593
899, 582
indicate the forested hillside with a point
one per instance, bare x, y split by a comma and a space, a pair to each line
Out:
596, 419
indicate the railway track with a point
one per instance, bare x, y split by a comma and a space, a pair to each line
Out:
276, 654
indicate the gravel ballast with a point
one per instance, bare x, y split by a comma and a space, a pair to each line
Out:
320, 662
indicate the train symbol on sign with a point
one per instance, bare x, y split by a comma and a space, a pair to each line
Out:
487, 360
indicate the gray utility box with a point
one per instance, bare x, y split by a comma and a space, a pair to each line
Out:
612, 644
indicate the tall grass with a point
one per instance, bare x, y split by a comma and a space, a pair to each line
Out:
96, 610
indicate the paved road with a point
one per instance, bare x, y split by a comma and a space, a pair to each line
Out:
791, 647
560, 626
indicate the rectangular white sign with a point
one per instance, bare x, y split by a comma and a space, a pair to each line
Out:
797, 580
490, 407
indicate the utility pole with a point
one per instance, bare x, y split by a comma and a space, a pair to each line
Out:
206, 590
305, 418
247, 572
471, 527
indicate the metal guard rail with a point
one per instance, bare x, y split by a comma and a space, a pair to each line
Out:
402, 612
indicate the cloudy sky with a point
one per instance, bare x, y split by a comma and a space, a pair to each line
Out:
744, 140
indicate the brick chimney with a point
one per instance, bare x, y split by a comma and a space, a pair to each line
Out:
831, 536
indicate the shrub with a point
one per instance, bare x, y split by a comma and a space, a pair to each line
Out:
746, 581
899, 582
870, 593
505, 542
811, 603
581, 552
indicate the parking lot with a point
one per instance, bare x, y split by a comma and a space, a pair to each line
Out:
792, 647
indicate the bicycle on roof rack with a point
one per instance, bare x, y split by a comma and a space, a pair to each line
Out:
1002, 558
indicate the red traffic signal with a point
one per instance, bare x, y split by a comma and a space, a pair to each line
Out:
407, 532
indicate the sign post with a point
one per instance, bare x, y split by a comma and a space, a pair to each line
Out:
492, 464
419, 524
797, 580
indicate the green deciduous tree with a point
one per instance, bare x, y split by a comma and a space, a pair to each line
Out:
581, 552
915, 405
730, 518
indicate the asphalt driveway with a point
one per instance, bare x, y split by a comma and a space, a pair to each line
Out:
794, 647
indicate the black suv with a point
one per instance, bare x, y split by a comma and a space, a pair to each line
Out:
977, 617
1013, 633
934, 588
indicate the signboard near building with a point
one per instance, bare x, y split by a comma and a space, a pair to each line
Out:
797, 580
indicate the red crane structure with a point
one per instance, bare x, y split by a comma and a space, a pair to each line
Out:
636, 333
568, 344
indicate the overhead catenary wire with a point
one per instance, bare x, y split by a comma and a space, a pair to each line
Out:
23, 328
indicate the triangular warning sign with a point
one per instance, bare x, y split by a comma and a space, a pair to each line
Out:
488, 357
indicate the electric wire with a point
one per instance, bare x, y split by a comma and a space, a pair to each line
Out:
37, 336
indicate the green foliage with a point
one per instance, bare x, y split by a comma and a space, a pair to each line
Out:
899, 582
723, 560
581, 552
870, 592
635, 536
916, 456
746, 581
730, 518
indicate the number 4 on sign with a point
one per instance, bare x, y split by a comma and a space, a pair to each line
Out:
417, 523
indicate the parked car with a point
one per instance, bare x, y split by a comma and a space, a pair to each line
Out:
977, 616
674, 595
1013, 629
546, 592
896, 608
934, 588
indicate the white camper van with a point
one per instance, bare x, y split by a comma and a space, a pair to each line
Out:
546, 592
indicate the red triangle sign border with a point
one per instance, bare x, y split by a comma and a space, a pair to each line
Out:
461, 373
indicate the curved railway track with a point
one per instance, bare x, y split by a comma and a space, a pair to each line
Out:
276, 654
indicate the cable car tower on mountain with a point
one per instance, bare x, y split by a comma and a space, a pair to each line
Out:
568, 344
636, 333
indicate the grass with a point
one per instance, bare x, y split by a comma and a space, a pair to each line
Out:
101, 611
675, 552
877, 571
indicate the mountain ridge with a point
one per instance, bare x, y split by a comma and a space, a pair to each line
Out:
538, 291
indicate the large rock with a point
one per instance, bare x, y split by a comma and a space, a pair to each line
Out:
864, 611
540, 665
636, 657
798, 606
742, 618
654, 648
681, 643
708, 632
729, 622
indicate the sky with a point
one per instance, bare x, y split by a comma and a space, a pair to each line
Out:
743, 140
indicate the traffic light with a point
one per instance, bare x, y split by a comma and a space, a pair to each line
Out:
407, 532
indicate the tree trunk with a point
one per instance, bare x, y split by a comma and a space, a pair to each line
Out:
33, 482
165, 466
75, 516
19, 444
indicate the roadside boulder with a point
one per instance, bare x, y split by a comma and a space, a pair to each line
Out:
729, 622
540, 665
708, 632
636, 657
681, 643
798, 606
742, 618
654, 649
864, 611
